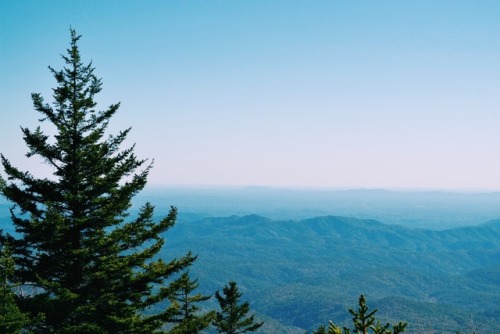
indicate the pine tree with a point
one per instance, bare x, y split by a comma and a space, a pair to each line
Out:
89, 266
11, 318
188, 319
231, 319
321, 330
363, 319
364, 322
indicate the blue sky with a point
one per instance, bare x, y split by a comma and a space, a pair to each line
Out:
349, 94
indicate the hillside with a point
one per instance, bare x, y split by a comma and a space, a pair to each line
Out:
303, 273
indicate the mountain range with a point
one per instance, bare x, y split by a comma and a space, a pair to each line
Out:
303, 273
426, 259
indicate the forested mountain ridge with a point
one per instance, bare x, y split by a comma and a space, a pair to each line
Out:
305, 272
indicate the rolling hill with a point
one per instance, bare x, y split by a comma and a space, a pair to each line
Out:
304, 273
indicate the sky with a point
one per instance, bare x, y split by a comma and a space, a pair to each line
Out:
330, 94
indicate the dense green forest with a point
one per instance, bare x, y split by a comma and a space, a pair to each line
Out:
301, 274
78, 257
304, 273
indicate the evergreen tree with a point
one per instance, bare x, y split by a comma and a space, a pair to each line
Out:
90, 267
187, 318
12, 321
231, 319
364, 323
320, 330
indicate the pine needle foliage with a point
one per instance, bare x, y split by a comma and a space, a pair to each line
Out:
232, 319
364, 323
85, 264
12, 321
184, 305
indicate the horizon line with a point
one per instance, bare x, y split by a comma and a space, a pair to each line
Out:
150, 186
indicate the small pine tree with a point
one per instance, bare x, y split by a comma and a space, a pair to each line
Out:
187, 318
232, 318
320, 330
92, 268
12, 320
364, 322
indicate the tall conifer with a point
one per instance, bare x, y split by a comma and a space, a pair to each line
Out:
82, 261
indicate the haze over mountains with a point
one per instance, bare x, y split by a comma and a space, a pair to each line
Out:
303, 257
427, 209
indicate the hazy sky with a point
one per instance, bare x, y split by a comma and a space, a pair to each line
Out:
397, 94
